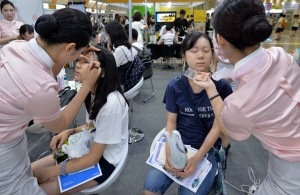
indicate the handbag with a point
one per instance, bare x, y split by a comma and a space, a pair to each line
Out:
218, 186
66, 95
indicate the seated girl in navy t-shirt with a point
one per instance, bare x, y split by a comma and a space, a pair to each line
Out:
197, 52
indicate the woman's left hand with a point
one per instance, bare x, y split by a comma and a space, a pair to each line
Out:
189, 168
43, 174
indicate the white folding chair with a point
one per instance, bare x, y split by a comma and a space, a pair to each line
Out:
134, 92
100, 188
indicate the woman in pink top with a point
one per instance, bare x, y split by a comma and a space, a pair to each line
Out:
266, 102
28, 91
9, 27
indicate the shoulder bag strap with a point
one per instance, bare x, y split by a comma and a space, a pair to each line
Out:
124, 53
187, 96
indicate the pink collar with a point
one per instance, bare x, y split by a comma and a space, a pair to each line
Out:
243, 66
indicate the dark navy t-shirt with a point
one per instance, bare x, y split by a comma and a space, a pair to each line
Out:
187, 124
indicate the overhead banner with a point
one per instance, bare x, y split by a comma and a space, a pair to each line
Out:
27, 11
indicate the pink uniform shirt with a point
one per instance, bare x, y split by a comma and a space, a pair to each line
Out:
266, 103
9, 28
28, 89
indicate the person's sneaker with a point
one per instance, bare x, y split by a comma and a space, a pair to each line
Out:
170, 67
135, 135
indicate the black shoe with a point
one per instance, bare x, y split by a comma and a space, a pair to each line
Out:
170, 67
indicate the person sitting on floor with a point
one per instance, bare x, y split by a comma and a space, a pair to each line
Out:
169, 39
107, 110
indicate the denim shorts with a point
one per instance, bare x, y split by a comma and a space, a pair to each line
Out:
157, 182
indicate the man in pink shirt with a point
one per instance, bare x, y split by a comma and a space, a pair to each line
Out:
28, 90
266, 102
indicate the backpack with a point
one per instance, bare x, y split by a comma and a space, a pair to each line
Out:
283, 23
143, 54
134, 73
66, 95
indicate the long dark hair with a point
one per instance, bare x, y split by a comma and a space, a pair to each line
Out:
107, 83
117, 34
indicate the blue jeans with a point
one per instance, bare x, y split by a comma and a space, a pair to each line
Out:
157, 182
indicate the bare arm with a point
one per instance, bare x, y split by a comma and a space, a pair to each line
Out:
79, 164
8, 39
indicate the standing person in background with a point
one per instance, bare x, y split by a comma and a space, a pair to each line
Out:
272, 21
126, 20
207, 23
211, 28
30, 91
280, 26
266, 103
187, 17
295, 25
26, 32
137, 25
9, 27
181, 24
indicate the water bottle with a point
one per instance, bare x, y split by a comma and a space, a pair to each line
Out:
66, 84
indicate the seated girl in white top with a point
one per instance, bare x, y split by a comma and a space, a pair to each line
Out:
120, 47
109, 115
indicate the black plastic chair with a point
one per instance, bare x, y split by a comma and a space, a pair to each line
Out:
168, 51
147, 74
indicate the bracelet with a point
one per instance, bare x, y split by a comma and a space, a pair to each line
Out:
63, 167
213, 97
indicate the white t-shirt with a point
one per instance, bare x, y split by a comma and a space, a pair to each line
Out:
296, 23
168, 38
280, 22
164, 31
138, 45
139, 27
112, 127
120, 57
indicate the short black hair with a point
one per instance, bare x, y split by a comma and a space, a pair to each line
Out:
94, 34
95, 27
26, 28
137, 16
191, 40
134, 34
182, 12
169, 26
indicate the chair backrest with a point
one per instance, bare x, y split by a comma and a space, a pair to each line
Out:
168, 50
112, 177
132, 92
148, 72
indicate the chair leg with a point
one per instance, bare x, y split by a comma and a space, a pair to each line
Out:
151, 94
131, 103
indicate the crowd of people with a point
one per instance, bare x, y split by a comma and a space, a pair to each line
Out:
257, 93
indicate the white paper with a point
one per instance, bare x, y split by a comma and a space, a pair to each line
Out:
194, 181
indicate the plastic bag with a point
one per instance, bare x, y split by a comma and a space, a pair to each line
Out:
179, 155
78, 144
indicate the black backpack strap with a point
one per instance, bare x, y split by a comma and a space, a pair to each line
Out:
135, 47
187, 96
